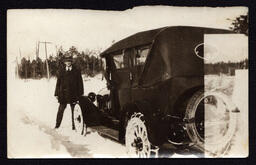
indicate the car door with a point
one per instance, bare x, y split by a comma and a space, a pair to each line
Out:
121, 77
138, 59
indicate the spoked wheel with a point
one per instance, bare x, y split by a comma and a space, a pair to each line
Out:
213, 122
78, 120
136, 138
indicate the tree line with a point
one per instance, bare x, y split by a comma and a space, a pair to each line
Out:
87, 61
225, 67
91, 65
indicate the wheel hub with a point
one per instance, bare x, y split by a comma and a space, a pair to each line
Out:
78, 118
138, 144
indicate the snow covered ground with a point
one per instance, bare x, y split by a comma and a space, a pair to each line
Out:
32, 110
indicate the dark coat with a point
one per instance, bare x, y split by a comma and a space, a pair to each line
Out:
69, 86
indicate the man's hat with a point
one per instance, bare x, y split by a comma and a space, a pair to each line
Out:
68, 57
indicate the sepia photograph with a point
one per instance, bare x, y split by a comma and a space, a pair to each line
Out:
146, 82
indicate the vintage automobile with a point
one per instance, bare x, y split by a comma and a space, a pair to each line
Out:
157, 95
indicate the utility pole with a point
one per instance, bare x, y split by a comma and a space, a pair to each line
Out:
20, 53
56, 50
17, 68
47, 66
36, 50
37, 46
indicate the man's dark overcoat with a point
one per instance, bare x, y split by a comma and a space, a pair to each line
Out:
69, 86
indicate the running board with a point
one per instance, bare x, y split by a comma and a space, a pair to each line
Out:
106, 132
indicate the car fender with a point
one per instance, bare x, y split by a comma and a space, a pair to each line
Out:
91, 114
153, 119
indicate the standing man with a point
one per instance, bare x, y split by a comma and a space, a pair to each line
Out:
69, 88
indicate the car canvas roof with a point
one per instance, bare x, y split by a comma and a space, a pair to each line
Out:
141, 38
147, 37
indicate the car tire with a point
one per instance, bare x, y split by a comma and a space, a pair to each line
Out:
136, 138
80, 125
205, 130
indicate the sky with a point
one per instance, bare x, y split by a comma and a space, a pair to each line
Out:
95, 29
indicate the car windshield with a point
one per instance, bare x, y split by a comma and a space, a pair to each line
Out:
118, 60
122, 60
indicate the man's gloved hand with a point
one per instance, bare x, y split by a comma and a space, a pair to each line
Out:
108, 85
